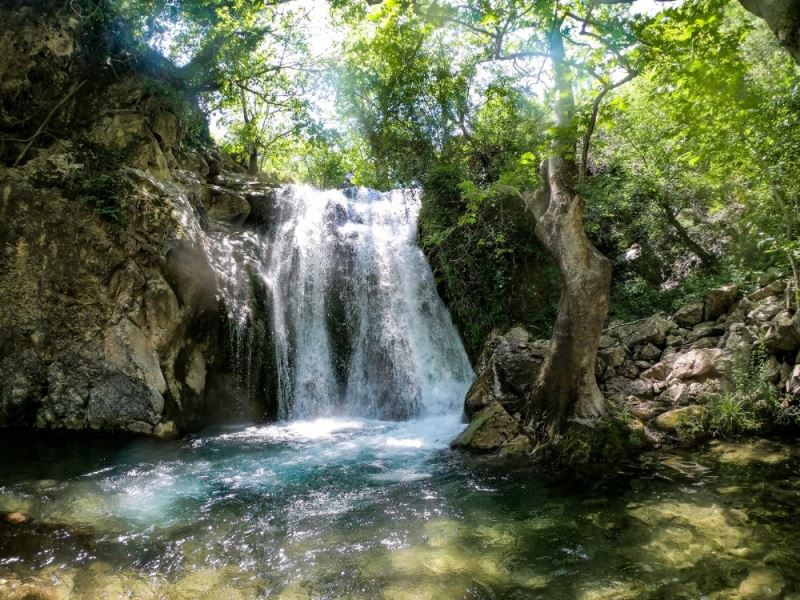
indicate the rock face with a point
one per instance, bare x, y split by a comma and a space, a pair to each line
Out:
109, 303
507, 369
490, 429
663, 370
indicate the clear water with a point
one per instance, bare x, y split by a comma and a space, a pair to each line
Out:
358, 508
368, 509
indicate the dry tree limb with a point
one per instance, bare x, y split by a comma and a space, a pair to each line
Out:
44, 123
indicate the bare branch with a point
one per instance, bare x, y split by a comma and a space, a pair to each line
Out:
44, 123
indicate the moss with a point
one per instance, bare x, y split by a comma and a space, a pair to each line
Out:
490, 269
97, 181
609, 442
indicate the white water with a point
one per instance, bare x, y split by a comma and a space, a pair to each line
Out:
359, 328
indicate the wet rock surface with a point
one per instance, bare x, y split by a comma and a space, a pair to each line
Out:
109, 304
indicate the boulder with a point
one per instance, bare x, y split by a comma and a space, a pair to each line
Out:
515, 365
661, 370
701, 330
739, 339
674, 341
508, 367
648, 352
767, 277
617, 388
121, 402
699, 365
772, 370
646, 409
689, 314
783, 334
706, 342
611, 357
717, 301
629, 370
227, 206
641, 388
687, 422
773, 289
606, 341
652, 330
766, 310
480, 393
793, 382
489, 430
679, 394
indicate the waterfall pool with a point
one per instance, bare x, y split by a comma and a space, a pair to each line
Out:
353, 508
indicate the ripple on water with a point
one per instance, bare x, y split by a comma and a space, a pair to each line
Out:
366, 509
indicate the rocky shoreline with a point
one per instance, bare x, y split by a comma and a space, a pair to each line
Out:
667, 377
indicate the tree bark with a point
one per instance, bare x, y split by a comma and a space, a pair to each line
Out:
252, 163
783, 18
566, 388
708, 259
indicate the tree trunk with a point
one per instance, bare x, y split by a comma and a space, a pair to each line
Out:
783, 18
566, 388
252, 163
708, 259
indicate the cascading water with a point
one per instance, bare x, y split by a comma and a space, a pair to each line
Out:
357, 507
357, 326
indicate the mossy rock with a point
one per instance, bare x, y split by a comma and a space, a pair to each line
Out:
689, 423
489, 430
608, 441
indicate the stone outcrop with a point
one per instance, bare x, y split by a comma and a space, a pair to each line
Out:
666, 370
507, 369
110, 312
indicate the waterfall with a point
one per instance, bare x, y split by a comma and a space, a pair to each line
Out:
357, 325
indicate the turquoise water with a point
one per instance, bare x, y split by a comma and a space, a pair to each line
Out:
368, 509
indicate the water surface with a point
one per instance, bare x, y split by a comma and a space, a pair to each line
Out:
367, 509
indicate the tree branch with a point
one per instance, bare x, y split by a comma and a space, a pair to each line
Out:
44, 123
587, 137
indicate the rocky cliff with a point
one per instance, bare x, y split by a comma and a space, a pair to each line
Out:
110, 302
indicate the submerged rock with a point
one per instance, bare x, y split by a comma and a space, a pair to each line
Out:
761, 584
748, 453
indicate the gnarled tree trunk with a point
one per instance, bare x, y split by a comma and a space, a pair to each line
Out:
783, 18
566, 388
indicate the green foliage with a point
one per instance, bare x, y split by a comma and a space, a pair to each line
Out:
634, 297
721, 179
730, 415
97, 182
752, 405
166, 98
402, 88
489, 268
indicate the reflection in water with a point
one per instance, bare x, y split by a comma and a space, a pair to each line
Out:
369, 509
